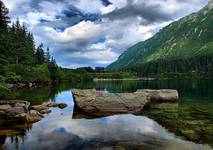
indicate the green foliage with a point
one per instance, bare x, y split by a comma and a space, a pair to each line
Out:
2, 79
12, 77
4, 19
3, 66
196, 67
39, 55
20, 61
113, 75
40, 73
68, 75
173, 48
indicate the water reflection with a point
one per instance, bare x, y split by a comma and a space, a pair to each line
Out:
123, 131
59, 130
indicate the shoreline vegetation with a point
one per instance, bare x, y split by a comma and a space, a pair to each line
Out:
124, 79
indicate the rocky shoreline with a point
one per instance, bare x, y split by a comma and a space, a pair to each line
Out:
22, 111
23, 85
99, 103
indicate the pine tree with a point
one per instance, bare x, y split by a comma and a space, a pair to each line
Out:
4, 19
40, 58
47, 55
53, 69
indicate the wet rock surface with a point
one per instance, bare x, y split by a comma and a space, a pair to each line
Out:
101, 103
62, 105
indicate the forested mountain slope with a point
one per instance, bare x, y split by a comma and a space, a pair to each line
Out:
187, 38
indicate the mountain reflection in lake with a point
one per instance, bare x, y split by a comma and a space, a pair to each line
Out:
59, 129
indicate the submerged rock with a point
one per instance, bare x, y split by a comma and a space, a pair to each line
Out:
51, 104
45, 111
182, 120
164, 95
62, 105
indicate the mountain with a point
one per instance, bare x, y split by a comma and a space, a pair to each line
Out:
186, 38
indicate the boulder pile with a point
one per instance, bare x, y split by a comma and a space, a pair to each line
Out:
22, 110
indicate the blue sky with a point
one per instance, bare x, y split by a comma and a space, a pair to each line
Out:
95, 32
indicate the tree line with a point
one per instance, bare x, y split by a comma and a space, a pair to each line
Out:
22, 61
200, 66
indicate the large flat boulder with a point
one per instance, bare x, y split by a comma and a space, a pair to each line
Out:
102, 103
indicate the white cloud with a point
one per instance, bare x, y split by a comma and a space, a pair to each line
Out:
119, 3
84, 30
33, 18
52, 8
14, 4
92, 6
107, 9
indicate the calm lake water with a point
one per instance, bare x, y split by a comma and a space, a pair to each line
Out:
187, 125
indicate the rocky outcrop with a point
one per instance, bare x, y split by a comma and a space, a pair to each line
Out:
22, 111
101, 103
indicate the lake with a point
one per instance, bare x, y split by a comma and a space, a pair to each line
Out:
186, 125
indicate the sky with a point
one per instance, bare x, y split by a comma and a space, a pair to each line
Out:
94, 33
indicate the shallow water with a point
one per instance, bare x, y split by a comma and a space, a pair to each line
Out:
61, 130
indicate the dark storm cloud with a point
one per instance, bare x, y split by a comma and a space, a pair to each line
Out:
150, 13
154, 11
106, 2
71, 17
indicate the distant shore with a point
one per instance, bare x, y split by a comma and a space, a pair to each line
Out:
129, 79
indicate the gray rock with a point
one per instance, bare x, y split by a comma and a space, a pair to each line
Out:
39, 108
100, 103
2, 113
45, 111
24, 105
33, 116
30, 84
34, 113
50, 104
164, 95
13, 103
5, 107
15, 111
21, 116
10, 86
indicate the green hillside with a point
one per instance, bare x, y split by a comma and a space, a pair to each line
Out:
189, 37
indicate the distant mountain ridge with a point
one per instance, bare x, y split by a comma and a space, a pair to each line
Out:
186, 38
